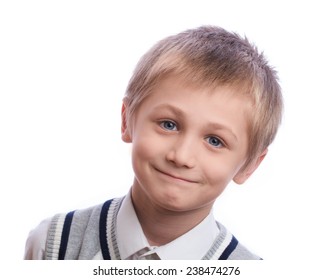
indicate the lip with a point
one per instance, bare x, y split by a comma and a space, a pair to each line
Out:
175, 177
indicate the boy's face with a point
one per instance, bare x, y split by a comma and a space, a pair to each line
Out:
187, 145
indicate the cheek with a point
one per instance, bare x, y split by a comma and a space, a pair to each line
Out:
144, 147
139, 158
145, 150
219, 174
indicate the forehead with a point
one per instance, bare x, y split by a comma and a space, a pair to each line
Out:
179, 91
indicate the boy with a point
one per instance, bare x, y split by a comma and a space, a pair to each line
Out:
200, 110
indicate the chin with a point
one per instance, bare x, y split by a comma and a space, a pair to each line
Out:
168, 201
176, 203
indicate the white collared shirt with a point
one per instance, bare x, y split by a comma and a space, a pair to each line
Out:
133, 244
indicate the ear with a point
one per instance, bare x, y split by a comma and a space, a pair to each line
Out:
243, 175
125, 133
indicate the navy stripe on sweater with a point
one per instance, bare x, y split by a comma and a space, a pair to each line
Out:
65, 235
103, 230
229, 249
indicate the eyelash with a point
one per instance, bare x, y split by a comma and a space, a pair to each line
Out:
220, 144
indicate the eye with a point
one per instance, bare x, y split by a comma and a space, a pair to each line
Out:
215, 141
168, 125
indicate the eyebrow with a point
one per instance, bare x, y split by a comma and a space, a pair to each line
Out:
211, 125
177, 111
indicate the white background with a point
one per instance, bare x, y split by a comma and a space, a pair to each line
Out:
64, 67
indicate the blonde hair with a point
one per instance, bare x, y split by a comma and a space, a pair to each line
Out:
210, 56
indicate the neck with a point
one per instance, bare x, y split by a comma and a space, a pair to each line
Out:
160, 225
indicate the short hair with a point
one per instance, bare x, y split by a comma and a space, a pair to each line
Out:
210, 56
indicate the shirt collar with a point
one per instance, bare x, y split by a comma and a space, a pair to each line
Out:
131, 238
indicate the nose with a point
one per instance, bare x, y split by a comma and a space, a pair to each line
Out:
182, 153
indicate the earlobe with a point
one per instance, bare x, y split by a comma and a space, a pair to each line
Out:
243, 175
125, 133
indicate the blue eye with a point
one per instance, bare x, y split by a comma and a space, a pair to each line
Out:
168, 125
215, 142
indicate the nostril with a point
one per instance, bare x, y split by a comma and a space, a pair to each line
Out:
181, 158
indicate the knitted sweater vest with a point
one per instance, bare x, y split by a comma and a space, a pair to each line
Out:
83, 234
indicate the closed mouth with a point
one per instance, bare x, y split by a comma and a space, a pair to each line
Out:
176, 176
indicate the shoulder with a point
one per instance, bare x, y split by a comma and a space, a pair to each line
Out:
230, 248
51, 230
68, 230
36, 241
242, 253
78, 234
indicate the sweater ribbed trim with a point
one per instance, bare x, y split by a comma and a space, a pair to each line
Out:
219, 245
54, 237
107, 229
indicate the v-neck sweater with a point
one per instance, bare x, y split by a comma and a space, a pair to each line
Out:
91, 234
